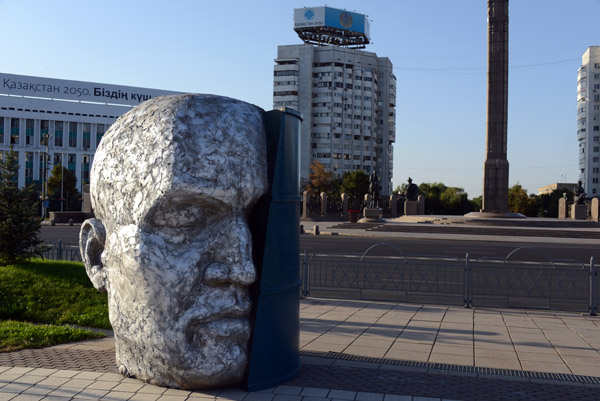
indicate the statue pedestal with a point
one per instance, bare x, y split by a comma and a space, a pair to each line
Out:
578, 212
411, 208
372, 215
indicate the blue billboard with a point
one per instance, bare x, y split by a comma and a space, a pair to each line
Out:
315, 17
347, 20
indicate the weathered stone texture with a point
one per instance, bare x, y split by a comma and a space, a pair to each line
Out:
171, 184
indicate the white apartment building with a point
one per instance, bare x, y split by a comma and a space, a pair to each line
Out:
588, 120
347, 96
52, 121
348, 100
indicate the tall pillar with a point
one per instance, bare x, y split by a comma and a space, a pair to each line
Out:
495, 174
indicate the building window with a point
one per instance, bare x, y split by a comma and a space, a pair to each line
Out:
28, 168
100, 129
86, 135
29, 134
44, 132
285, 73
58, 133
286, 93
1, 131
72, 135
85, 168
596, 127
14, 131
71, 162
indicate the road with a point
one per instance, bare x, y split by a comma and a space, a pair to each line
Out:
439, 247
358, 245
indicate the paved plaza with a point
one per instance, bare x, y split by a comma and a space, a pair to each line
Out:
364, 351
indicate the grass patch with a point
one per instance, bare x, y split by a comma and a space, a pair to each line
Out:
18, 335
51, 292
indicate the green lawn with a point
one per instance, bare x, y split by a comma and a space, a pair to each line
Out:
18, 335
48, 296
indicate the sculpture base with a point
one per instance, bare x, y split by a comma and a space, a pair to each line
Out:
411, 208
372, 215
578, 212
495, 215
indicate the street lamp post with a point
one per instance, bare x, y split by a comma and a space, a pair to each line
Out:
45, 173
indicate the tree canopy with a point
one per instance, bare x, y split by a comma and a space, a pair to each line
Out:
320, 179
19, 218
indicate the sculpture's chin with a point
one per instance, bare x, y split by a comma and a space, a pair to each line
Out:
205, 355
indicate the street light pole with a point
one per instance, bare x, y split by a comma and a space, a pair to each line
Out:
62, 180
46, 159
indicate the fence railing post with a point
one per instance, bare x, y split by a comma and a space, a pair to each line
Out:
593, 302
305, 287
59, 251
467, 280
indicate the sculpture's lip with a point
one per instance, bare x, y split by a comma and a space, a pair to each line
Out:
233, 328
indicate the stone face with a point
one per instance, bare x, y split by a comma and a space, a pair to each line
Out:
171, 185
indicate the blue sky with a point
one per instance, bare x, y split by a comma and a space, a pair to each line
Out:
438, 48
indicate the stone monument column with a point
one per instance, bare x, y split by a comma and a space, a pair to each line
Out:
323, 204
495, 175
345, 205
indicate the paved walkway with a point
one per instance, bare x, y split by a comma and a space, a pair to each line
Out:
364, 351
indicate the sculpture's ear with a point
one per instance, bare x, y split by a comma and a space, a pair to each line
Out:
91, 244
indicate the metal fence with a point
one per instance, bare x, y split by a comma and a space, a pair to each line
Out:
62, 251
518, 280
526, 277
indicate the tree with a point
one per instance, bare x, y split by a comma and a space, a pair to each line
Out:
548, 203
476, 203
65, 179
518, 201
19, 221
432, 193
455, 201
355, 184
401, 189
320, 179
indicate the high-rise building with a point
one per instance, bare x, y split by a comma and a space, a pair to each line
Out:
588, 120
347, 96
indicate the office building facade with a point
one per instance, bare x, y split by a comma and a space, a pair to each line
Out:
51, 121
588, 121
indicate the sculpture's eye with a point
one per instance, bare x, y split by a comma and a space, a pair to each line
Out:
184, 215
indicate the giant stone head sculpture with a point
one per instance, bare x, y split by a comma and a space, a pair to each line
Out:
171, 185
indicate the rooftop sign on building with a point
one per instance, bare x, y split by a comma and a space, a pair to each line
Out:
49, 88
331, 26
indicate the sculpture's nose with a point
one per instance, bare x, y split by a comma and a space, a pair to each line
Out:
236, 265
